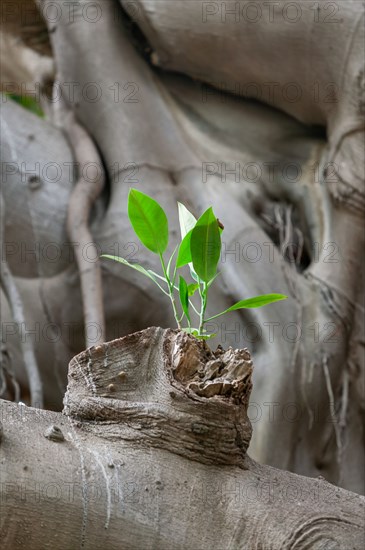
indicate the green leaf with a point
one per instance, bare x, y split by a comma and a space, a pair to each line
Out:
205, 246
190, 330
186, 219
195, 332
137, 267
192, 288
149, 221
28, 102
206, 336
257, 301
184, 297
184, 255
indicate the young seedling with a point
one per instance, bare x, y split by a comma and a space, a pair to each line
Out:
199, 249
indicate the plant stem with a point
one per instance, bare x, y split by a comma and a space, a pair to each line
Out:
171, 292
204, 297
175, 287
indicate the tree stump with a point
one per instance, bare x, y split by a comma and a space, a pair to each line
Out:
150, 452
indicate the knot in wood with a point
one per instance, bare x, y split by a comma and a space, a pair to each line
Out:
54, 433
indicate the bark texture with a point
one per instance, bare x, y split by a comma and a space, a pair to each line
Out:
158, 127
140, 460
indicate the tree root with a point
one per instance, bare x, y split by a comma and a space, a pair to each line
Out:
82, 198
12, 294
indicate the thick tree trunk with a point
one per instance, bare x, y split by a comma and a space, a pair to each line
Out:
151, 453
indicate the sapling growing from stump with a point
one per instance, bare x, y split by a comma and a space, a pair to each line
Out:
199, 249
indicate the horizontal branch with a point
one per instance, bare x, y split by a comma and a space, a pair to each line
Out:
102, 474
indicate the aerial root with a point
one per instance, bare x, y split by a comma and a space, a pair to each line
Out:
12, 294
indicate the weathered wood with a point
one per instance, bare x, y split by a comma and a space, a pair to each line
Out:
112, 482
168, 390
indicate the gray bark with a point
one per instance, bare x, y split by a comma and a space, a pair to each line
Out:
140, 460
